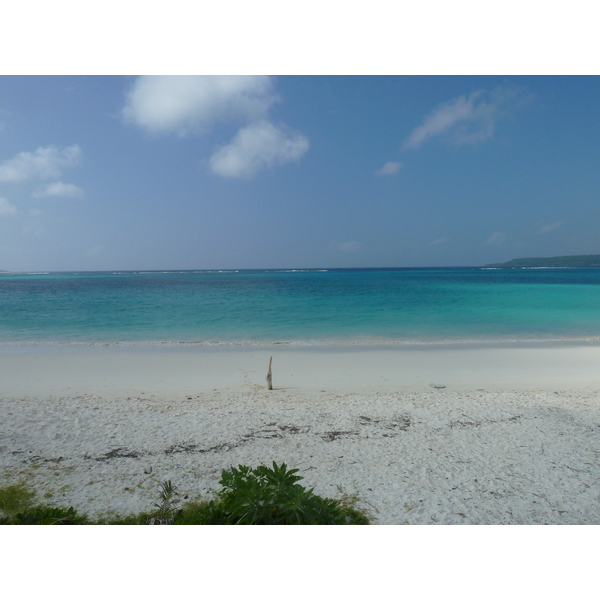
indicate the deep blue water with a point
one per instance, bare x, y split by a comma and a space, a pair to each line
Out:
347, 306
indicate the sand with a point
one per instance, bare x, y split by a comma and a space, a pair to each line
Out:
512, 438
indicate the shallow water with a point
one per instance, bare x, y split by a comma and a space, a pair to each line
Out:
301, 306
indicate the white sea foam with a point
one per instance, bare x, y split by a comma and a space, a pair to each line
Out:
301, 271
301, 343
5, 273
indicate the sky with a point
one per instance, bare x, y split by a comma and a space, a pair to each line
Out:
242, 172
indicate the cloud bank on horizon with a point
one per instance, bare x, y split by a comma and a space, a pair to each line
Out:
194, 105
550, 227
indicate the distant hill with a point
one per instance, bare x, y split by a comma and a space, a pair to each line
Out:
586, 260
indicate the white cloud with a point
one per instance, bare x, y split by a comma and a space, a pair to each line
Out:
390, 168
180, 104
464, 120
439, 241
351, 246
496, 239
96, 250
550, 227
44, 163
194, 104
258, 146
6, 208
58, 188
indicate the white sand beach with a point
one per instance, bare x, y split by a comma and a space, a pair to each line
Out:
512, 438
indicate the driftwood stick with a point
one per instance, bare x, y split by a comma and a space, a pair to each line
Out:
269, 376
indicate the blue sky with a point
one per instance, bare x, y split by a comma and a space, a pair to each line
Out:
165, 172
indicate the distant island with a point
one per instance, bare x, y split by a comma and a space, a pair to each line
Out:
586, 260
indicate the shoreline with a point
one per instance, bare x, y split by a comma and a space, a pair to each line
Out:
43, 371
365, 343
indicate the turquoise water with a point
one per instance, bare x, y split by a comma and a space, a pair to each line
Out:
301, 307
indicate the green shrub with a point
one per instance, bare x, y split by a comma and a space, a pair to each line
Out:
260, 496
268, 496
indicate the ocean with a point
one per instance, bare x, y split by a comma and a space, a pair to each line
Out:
300, 306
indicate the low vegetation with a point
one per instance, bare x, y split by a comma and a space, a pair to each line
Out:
16, 507
259, 496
